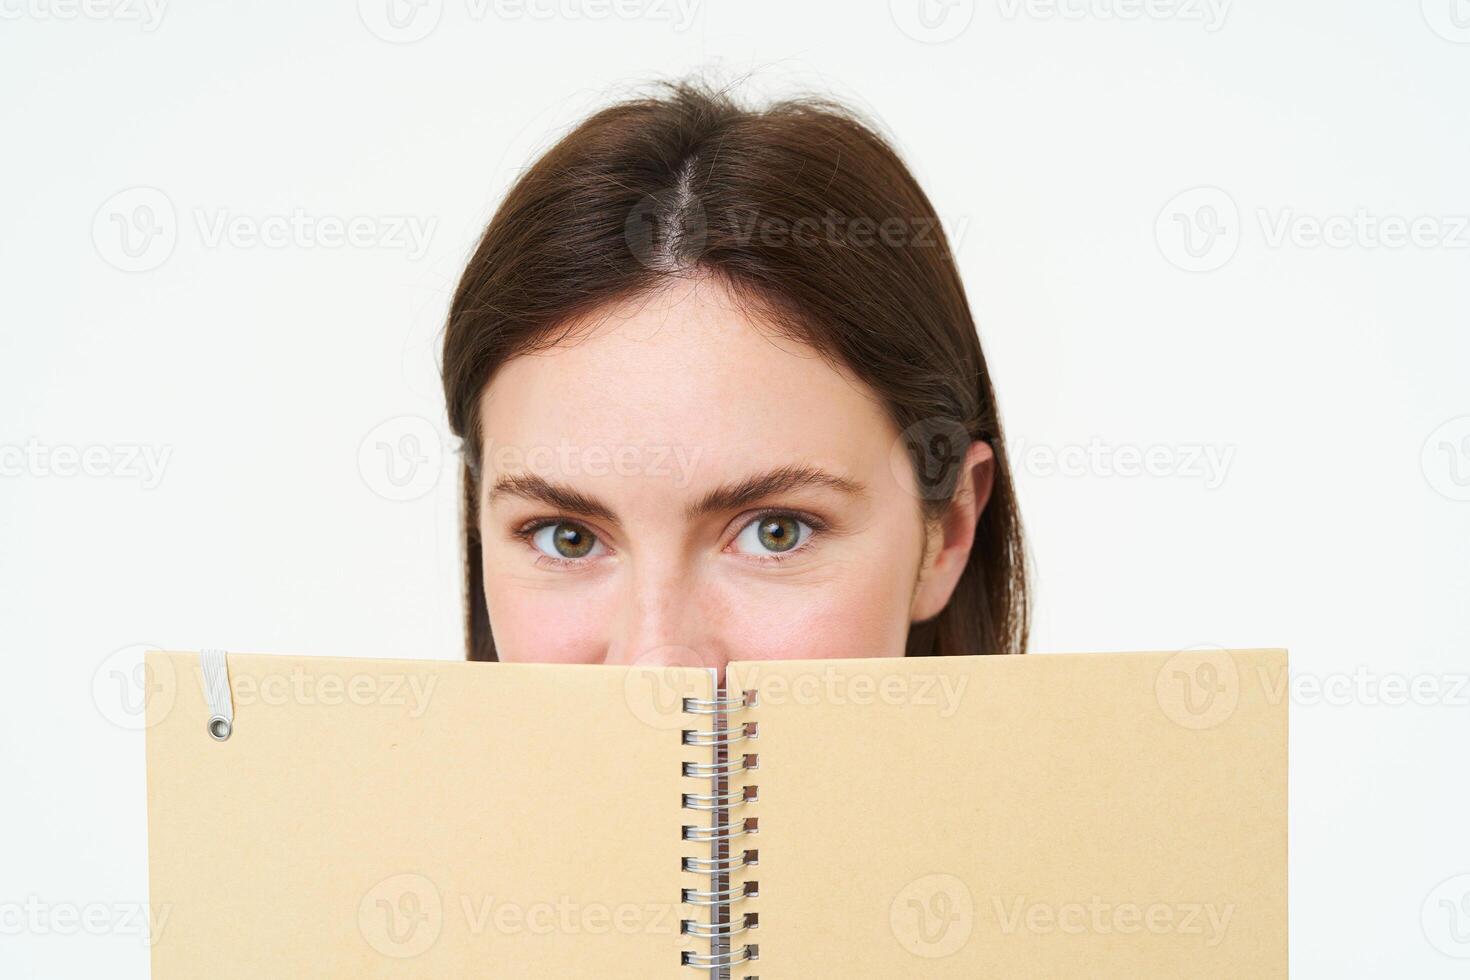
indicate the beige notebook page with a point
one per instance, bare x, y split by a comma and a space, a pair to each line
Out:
394, 819
1093, 815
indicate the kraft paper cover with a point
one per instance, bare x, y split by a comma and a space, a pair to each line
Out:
1093, 815
406, 818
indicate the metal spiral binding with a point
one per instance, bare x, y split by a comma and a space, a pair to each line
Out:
725, 921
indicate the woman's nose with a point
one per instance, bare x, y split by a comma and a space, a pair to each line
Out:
664, 620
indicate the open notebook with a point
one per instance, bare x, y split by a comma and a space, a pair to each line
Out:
1059, 815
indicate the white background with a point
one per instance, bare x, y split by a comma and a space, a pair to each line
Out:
1327, 374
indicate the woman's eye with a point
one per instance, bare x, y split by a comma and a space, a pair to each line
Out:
772, 534
566, 540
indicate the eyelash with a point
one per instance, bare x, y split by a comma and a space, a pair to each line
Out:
528, 531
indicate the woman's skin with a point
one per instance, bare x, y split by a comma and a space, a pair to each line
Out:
628, 473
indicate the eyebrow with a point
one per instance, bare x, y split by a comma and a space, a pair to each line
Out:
730, 496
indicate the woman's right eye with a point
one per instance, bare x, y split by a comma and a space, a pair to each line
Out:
566, 541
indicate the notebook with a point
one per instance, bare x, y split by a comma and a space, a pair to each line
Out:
1048, 815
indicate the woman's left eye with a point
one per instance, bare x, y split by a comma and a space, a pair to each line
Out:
566, 541
772, 534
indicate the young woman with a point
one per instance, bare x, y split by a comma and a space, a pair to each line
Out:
721, 397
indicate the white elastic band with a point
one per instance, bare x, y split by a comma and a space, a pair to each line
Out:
217, 690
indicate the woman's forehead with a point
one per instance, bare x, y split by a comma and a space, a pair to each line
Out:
682, 369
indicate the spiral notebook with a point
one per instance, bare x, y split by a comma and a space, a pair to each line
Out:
1057, 815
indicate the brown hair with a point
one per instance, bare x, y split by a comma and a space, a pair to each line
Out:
800, 210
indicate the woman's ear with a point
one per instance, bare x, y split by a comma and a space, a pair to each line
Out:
949, 540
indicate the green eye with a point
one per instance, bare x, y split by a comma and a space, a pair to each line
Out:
779, 533
564, 540
772, 534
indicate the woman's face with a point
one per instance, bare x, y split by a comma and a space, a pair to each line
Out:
680, 484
